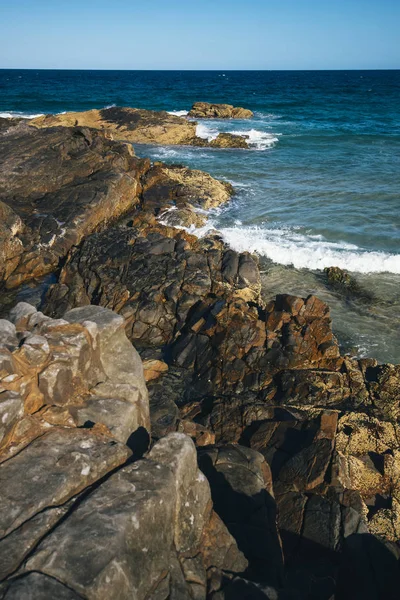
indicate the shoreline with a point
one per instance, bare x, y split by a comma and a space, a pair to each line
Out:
182, 432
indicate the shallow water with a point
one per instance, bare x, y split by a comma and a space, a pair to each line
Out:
320, 186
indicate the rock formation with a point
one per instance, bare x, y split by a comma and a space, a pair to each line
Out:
148, 126
165, 434
205, 110
127, 124
58, 185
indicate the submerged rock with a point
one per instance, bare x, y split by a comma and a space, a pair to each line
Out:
205, 110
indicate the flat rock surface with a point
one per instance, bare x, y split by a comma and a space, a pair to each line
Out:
56, 186
128, 124
60, 464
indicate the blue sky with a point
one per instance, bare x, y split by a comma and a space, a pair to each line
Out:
219, 34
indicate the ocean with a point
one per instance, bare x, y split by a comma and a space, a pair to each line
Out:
319, 187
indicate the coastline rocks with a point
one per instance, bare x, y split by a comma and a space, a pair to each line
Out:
182, 187
341, 281
11, 246
164, 277
57, 186
205, 110
91, 520
148, 532
151, 127
128, 124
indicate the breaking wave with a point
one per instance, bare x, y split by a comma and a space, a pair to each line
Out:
178, 113
19, 115
286, 247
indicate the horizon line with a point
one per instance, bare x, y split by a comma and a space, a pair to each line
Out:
195, 70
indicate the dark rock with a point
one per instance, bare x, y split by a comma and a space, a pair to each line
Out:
241, 487
35, 586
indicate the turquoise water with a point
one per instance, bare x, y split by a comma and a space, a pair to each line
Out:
319, 187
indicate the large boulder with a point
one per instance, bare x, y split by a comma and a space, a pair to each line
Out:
143, 532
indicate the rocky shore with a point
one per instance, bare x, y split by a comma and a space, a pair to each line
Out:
164, 432
152, 127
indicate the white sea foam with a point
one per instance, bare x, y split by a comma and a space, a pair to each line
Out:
285, 246
260, 140
178, 113
206, 132
19, 115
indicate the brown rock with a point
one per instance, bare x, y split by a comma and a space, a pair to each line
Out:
56, 186
229, 140
127, 124
204, 110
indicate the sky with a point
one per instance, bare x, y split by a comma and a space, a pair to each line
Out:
218, 34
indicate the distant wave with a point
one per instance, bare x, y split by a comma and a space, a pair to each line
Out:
286, 247
19, 115
178, 113
259, 140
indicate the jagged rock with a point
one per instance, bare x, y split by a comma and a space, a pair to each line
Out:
35, 586
341, 281
11, 246
72, 371
60, 464
339, 276
11, 411
164, 277
193, 506
232, 345
57, 185
219, 548
16, 546
204, 110
153, 369
143, 531
150, 127
182, 187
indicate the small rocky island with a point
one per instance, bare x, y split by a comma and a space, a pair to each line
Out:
166, 434
151, 127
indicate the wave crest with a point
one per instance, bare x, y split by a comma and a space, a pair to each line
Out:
13, 114
286, 247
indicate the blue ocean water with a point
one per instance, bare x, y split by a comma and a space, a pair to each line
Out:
320, 186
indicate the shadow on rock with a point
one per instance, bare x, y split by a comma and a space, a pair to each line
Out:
241, 490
